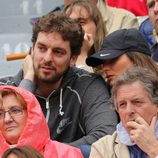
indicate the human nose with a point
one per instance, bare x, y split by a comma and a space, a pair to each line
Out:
156, 8
47, 57
7, 116
130, 109
106, 70
106, 67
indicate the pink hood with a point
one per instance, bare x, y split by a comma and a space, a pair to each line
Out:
36, 132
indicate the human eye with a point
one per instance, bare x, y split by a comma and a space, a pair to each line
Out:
41, 48
151, 4
137, 103
82, 22
59, 52
121, 105
1, 114
15, 110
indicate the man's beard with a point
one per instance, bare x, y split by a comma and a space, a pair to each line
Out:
51, 80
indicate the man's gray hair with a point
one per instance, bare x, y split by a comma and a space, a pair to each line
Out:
144, 76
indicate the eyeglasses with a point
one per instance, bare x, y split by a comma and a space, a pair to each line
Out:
13, 112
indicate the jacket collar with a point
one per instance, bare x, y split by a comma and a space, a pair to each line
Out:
120, 149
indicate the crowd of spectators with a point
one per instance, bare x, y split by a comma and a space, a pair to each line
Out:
88, 87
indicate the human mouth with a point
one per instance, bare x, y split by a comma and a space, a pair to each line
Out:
10, 128
131, 120
110, 77
47, 68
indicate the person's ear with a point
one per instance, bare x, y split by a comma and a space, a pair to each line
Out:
73, 60
31, 52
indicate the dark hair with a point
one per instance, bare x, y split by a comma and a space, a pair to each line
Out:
69, 29
143, 60
23, 152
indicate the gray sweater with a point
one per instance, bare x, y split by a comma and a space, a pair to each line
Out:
79, 112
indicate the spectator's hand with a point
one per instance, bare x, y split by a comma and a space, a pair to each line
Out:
144, 136
88, 42
28, 68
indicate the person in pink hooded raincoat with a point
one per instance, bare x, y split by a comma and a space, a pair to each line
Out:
22, 123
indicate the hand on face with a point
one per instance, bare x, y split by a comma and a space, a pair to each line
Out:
88, 42
143, 134
28, 68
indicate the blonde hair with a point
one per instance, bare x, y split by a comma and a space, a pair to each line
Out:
142, 60
94, 15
